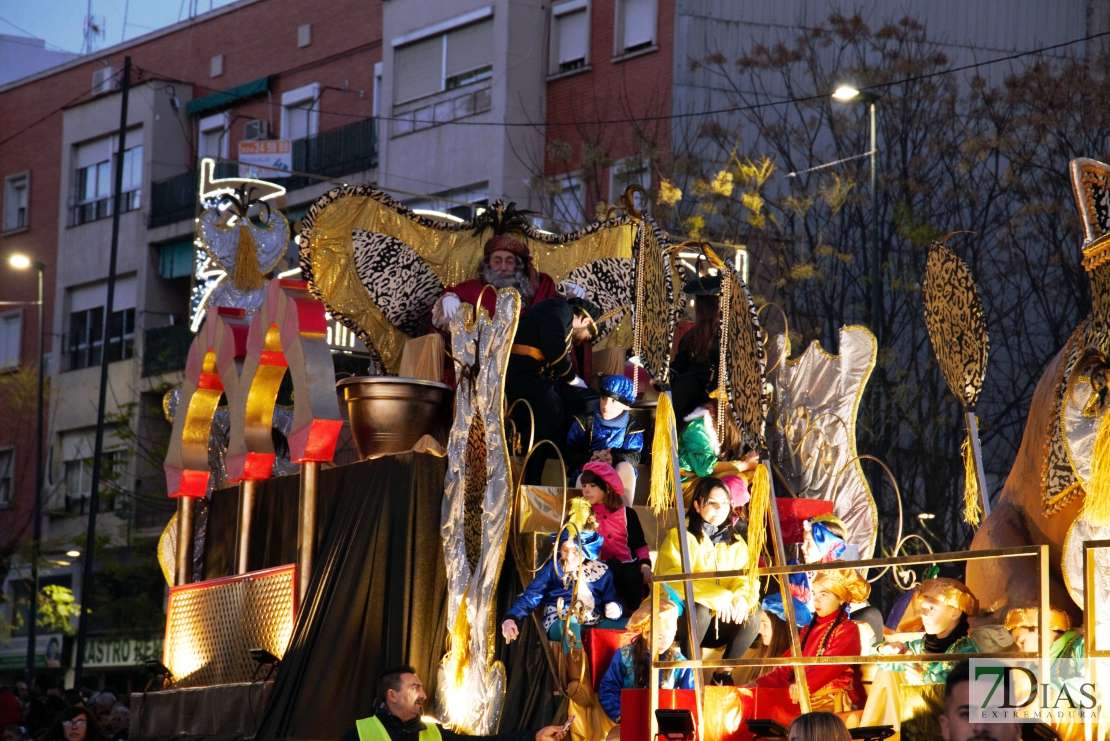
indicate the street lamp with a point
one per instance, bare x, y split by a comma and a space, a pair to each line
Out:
23, 262
848, 94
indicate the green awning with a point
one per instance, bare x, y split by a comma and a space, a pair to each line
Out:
227, 97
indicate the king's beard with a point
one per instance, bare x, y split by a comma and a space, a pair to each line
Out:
518, 280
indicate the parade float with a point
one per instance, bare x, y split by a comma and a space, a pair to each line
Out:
303, 579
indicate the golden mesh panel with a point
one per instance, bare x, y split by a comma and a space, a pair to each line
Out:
211, 626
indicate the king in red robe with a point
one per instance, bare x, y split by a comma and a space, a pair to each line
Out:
507, 264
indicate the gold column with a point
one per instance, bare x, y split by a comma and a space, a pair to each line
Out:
306, 529
183, 573
246, 510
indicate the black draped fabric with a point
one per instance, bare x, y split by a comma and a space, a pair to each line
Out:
377, 597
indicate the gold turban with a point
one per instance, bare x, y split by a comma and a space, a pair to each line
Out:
1030, 617
846, 584
640, 621
949, 591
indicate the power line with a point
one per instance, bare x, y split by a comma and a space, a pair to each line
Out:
673, 116
51, 113
33, 36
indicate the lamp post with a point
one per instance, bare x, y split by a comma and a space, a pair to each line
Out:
849, 94
22, 262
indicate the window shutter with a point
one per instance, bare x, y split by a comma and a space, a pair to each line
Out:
469, 48
573, 35
418, 69
11, 329
639, 22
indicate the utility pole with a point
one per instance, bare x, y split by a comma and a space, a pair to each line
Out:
98, 448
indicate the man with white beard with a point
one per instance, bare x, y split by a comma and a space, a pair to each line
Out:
507, 264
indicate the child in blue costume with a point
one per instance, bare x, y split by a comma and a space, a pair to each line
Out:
609, 435
629, 666
574, 565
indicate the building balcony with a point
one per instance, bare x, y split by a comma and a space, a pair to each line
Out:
350, 148
165, 349
175, 199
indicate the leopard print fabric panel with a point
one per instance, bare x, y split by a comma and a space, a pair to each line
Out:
608, 283
654, 315
474, 490
745, 362
399, 281
956, 323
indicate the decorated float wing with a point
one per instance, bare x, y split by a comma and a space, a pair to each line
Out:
379, 267
958, 331
816, 399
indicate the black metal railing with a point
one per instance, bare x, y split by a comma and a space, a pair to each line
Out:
337, 152
165, 349
332, 153
175, 199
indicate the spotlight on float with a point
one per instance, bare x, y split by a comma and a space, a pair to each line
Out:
767, 728
264, 658
675, 725
160, 673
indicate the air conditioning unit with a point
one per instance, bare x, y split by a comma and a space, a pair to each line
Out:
104, 81
256, 129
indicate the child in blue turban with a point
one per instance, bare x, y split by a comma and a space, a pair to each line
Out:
609, 435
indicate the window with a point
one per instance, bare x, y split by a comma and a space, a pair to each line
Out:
16, 192
570, 35
93, 177
78, 481
11, 336
176, 260
443, 57
212, 141
86, 329
635, 25
7, 460
300, 112
567, 211
84, 340
626, 172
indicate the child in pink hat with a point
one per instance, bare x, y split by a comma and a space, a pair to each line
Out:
624, 549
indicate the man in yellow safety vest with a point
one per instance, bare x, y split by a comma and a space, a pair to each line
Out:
398, 710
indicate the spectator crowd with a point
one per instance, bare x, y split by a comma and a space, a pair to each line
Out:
45, 711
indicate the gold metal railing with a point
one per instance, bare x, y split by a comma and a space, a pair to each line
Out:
1090, 647
1041, 553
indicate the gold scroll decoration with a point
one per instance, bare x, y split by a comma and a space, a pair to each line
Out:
212, 370
471, 687
371, 289
812, 435
956, 323
288, 334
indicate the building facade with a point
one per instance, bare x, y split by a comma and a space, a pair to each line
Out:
253, 70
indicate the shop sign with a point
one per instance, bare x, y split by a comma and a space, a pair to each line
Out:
270, 158
102, 652
48, 651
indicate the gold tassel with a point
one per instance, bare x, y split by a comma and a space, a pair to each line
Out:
661, 495
248, 276
458, 652
1096, 507
972, 509
759, 507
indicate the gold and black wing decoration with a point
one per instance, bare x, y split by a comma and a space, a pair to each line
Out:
379, 268
956, 323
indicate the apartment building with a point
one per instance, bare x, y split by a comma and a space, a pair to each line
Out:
253, 70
